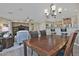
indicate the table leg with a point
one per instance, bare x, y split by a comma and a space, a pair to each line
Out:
25, 49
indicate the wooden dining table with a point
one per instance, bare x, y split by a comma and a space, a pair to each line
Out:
46, 45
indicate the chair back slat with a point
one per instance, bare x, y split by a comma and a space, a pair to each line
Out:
70, 44
43, 33
34, 34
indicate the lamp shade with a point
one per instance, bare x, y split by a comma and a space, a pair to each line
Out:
53, 7
55, 13
60, 10
46, 12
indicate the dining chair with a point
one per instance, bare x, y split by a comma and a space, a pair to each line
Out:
34, 34
64, 32
69, 46
43, 33
53, 32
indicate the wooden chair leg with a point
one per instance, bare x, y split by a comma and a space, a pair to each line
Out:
72, 51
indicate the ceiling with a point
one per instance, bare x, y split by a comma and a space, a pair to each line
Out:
35, 11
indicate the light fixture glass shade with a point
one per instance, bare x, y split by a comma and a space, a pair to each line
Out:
45, 10
47, 13
55, 13
60, 10
53, 7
